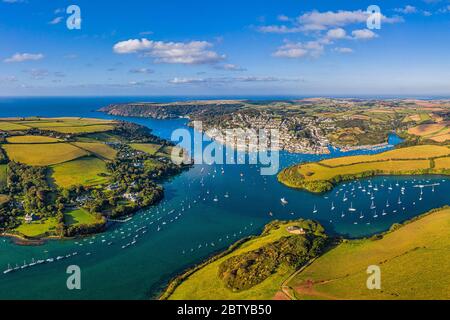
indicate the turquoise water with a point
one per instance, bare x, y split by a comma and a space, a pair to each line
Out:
134, 260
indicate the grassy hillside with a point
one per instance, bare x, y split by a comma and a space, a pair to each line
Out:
99, 149
414, 264
322, 176
31, 139
87, 171
43, 154
206, 283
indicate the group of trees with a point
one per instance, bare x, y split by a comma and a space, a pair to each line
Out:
246, 270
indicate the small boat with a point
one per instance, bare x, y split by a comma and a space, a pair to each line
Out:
271, 214
8, 270
283, 201
351, 209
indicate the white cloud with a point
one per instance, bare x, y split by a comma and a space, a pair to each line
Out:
406, 10
194, 52
322, 21
343, 50
230, 67
279, 29
142, 70
337, 33
227, 80
282, 17
56, 20
300, 50
364, 34
21, 57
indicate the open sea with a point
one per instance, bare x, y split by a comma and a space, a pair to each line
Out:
204, 211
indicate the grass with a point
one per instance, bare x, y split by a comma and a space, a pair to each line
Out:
205, 284
79, 217
150, 148
87, 171
80, 129
3, 175
413, 262
99, 149
38, 229
416, 152
321, 176
9, 126
43, 154
3, 199
31, 139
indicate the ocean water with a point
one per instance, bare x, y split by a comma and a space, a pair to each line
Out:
205, 210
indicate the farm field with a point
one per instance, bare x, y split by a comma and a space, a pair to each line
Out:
97, 148
321, 176
38, 229
31, 139
61, 125
10, 126
149, 148
438, 132
79, 217
413, 260
87, 171
3, 175
43, 154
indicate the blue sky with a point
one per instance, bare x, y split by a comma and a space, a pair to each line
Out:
224, 48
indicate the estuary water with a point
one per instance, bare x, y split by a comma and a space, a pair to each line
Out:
205, 209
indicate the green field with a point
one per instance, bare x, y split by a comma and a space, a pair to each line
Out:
79, 217
322, 176
99, 149
3, 199
414, 262
9, 126
61, 125
3, 175
149, 148
38, 229
80, 129
31, 139
43, 154
87, 171
204, 284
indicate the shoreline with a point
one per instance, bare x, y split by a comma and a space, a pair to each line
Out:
176, 281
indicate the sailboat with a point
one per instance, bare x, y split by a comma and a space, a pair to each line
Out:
315, 209
372, 206
399, 200
283, 201
384, 213
8, 270
351, 209
345, 198
332, 206
375, 215
387, 204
